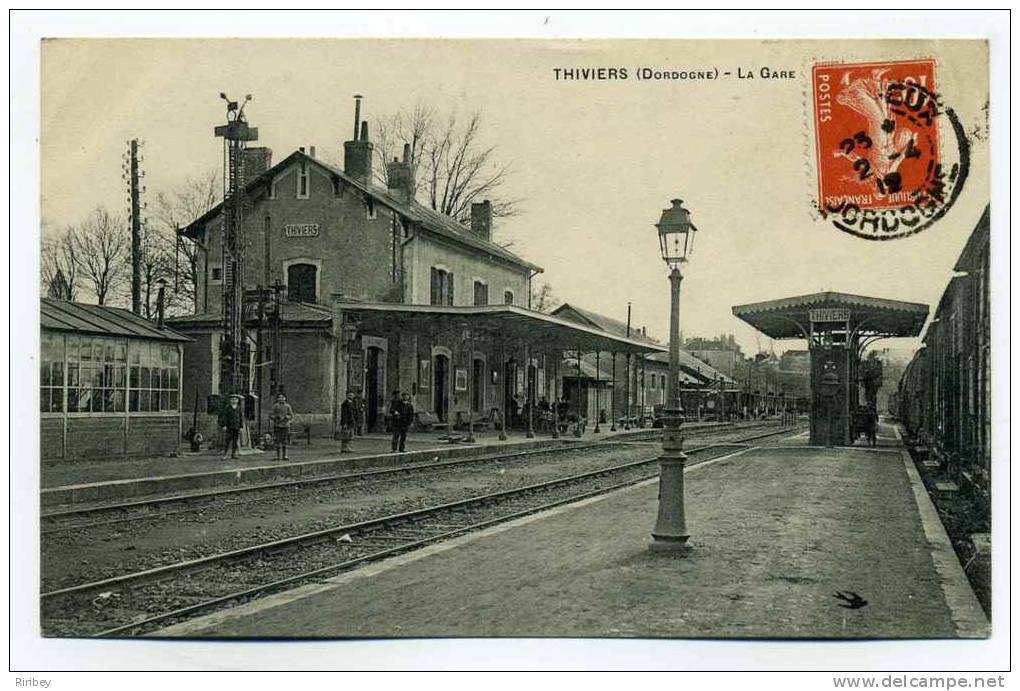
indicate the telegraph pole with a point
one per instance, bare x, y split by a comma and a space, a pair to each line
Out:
236, 134
135, 216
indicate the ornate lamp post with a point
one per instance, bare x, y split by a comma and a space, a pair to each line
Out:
676, 240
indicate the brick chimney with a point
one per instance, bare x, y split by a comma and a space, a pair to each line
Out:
481, 219
257, 160
399, 179
358, 152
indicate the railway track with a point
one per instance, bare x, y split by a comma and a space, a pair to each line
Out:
155, 508
139, 602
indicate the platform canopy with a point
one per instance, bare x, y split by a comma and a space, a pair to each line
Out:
507, 323
865, 316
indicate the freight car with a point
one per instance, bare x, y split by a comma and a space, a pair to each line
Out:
944, 396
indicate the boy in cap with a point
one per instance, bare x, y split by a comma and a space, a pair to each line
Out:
281, 416
230, 422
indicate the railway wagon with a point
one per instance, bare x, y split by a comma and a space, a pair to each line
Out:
944, 395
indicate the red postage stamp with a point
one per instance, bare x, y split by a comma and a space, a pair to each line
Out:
878, 148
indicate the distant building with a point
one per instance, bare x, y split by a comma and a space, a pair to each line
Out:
795, 361
638, 383
109, 384
723, 360
722, 352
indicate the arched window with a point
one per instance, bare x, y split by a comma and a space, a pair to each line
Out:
301, 282
508, 297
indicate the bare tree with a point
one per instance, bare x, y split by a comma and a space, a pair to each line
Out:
451, 165
543, 299
103, 249
173, 257
60, 274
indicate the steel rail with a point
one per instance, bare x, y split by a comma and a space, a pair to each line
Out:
267, 588
300, 482
157, 573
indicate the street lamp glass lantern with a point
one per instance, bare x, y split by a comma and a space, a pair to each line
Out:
676, 234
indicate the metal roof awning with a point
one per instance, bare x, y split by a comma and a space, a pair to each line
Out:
791, 317
77, 317
505, 323
568, 368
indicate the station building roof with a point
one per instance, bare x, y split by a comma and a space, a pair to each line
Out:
292, 313
790, 317
100, 320
429, 219
693, 370
509, 323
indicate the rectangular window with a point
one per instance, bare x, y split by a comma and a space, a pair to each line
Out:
216, 274
51, 374
96, 375
508, 297
440, 287
481, 293
154, 375
370, 213
302, 181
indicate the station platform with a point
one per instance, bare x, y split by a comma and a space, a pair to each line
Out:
776, 532
119, 478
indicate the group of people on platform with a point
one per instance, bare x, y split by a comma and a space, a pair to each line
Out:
231, 422
352, 419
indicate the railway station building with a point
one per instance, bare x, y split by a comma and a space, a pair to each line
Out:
109, 384
362, 289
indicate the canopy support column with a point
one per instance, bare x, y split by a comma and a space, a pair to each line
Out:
529, 392
502, 378
612, 398
598, 393
468, 344
577, 428
556, 395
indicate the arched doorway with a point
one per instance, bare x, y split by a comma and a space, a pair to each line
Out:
440, 386
373, 384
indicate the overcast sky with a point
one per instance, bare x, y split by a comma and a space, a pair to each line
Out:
594, 161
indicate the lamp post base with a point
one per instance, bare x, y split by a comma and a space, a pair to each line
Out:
670, 532
665, 545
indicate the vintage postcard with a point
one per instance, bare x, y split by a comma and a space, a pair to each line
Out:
413, 338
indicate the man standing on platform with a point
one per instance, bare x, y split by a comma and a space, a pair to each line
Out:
401, 416
348, 422
281, 416
230, 422
359, 413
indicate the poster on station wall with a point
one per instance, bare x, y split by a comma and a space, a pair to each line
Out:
815, 197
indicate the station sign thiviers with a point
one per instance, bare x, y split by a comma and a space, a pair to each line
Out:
301, 230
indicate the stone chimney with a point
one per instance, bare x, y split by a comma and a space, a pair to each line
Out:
358, 152
399, 179
257, 160
481, 219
